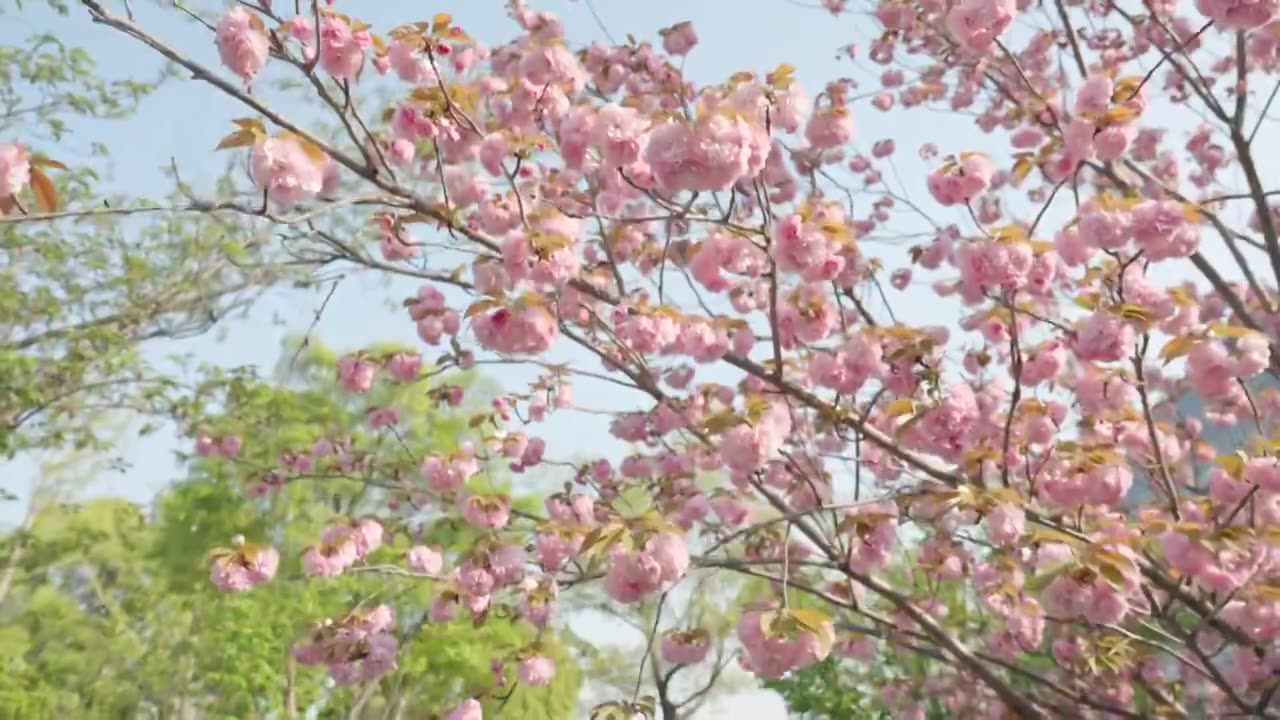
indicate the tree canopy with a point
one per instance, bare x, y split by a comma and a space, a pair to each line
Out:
894, 360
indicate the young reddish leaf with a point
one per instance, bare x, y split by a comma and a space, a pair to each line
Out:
42, 161
45, 191
250, 124
239, 138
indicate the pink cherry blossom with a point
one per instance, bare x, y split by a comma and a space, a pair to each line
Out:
830, 128
537, 671
711, 154
687, 647
679, 39
1006, 523
975, 24
285, 171
422, 559
632, 576
960, 182
356, 374
244, 568
1104, 338
15, 170
527, 330
672, 555
342, 48
774, 652
1238, 14
486, 511
242, 43
470, 709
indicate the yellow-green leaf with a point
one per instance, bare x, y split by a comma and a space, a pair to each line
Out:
1088, 301
1129, 311
1230, 331
1010, 233
1121, 114
1233, 463
1112, 574
1176, 348
815, 621
1022, 168
900, 407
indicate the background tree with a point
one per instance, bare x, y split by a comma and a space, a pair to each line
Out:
112, 615
81, 292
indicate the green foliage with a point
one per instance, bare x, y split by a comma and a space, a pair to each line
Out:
80, 294
823, 691
112, 614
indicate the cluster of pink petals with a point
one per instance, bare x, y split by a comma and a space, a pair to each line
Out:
342, 49
770, 655
519, 330
396, 243
679, 39
433, 316
242, 43
960, 182
15, 170
341, 547
684, 647
225, 446
244, 567
811, 246
874, 538
709, 154
636, 574
749, 447
487, 512
425, 560
1239, 14
829, 128
536, 671
1086, 595
976, 24
360, 648
282, 168
404, 367
356, 373
448, 473
469, 709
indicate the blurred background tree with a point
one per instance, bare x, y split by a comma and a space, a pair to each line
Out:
111, 613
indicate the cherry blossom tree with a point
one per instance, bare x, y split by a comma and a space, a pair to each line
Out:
947, 500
